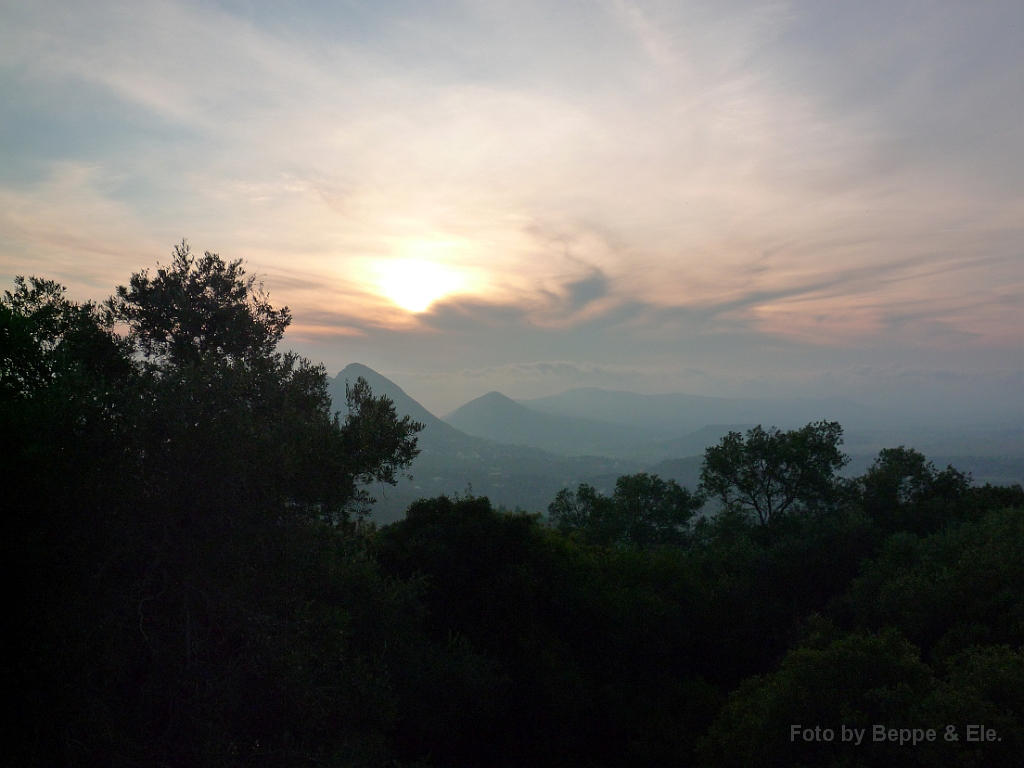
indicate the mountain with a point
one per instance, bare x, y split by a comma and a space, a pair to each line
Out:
381, 385
526, 476
501, 419
450, 461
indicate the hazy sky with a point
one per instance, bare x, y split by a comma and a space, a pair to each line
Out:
712, 197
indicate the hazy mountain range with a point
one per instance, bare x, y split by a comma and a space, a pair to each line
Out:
499, 418
451, 460
521, 453
676, 414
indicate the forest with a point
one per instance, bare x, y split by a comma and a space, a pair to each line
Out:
196, 580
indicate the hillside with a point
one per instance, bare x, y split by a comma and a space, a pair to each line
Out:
521, 453
381, 385
450, 460
496, 417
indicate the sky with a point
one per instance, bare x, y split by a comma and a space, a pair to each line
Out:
727, 198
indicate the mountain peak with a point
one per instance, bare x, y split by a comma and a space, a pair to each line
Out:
497, 417
494, 397
380, 385
358, 369
486, 406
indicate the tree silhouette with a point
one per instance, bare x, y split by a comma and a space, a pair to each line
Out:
195, 308
769, 473
643, 511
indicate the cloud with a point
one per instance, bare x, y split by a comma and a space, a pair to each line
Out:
645, 185
546, 369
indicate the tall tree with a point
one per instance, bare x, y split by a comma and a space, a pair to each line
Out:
169, 498
208, 337
769, 473
903, 491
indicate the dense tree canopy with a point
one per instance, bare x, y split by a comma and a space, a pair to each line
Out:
859, 681
643, 511
902, 490
190, 586
172, 504
47, 339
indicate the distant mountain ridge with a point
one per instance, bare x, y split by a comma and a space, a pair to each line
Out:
499, 418
678, 413
450, 460
496, 417
695, 443
521, 453
381, 385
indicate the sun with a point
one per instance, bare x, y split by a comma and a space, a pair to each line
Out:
415, 284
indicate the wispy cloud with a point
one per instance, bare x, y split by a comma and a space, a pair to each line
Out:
667, 180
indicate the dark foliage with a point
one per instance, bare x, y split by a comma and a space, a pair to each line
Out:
859, 681
194, 582
588, 643
643, 511
175, 507
903, 491
947, 591
194, 309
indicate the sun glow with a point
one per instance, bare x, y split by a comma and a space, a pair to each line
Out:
415, 284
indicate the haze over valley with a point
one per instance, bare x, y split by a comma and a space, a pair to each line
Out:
521, 453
